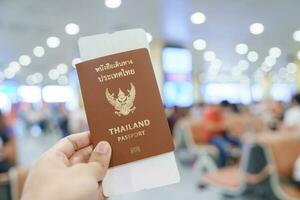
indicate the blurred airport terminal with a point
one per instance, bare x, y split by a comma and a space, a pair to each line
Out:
228, 73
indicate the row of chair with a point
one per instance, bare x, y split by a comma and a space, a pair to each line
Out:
187, 138
11, 183
265, 168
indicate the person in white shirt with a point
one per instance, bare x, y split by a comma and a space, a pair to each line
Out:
292, 115
296, 173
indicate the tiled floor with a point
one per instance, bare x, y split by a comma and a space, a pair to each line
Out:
30, 148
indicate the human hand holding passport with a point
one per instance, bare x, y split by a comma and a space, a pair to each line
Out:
124, 107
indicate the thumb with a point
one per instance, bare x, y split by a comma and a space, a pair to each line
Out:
99, 160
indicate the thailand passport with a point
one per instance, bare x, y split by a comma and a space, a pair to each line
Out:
124, 107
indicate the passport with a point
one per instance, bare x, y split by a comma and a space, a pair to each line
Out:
124, 108
123, 105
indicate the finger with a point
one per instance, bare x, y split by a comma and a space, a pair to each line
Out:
101, 195
81, 156
69, 145
99, 160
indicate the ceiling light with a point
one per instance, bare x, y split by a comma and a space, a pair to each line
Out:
209, 56
39, 51
38, 77
252, 56
53, 42
113, 3
149, 37
25, 60
216, 63
266, 68
275, 52
291, 68
256, 28
8, 73
29, 80
243, 65
62, 68
63, 80
53, 74
241, 48
14, 66
298, 55
72, 29
75, 61
34, 78
296, 36
198, 18
270, 61
199, 44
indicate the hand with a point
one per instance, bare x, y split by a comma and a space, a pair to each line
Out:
70, 170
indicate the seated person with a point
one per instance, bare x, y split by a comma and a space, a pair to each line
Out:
292, 115
277, 115
296, 173
7, 147
174, 117
215, 133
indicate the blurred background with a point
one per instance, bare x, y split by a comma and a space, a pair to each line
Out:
228, 74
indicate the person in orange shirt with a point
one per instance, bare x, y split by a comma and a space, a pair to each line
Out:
214, 122
215, 132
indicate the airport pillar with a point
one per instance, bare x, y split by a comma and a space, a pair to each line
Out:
196, 76
196, 84
156, 57
297, 62
266, 85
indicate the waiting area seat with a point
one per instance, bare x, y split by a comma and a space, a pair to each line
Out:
12, 183
5, 188
266, 168
283, 151
291, 191
229, 176
187, 133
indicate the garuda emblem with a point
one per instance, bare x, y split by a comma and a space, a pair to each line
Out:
123, 104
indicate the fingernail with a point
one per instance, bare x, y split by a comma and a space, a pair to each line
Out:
102, 147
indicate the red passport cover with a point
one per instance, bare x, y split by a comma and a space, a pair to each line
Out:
124, 107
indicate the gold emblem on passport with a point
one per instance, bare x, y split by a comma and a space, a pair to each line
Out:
123, 104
